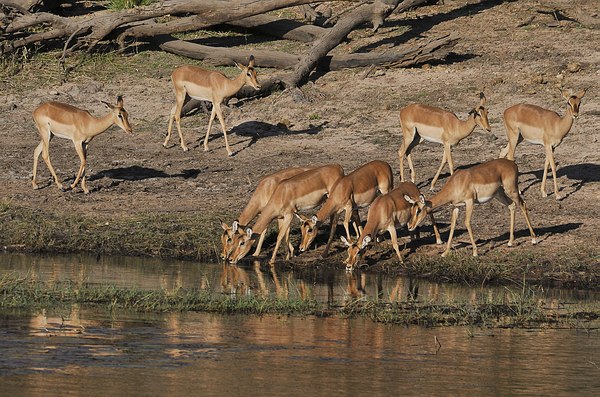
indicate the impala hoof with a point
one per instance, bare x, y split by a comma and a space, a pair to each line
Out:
534, 241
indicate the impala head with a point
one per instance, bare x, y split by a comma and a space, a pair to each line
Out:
242, 244
249, 73
120, 115
420, 209
309, 228
227, 238
355, 250
573, 101
480, 113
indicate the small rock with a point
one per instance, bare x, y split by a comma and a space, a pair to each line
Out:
54, 92
573, 67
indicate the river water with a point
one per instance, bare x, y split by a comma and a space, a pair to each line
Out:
91, 351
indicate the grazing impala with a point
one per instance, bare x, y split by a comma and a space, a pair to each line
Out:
493, 179
257, 202
421, 122
541, 127
355, 190
207, 85
301, 192
396, 208
78, 125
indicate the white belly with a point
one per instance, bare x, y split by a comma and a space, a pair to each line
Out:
198, 92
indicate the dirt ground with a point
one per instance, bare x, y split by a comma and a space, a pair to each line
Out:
517, 51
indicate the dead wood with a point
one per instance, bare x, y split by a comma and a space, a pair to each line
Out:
92, 28
375, 13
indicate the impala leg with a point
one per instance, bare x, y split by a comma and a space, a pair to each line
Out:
176, 115
82, 158
438, 238
36, 157
504, 198
526, 215
213, 113
260, 243
439, 171
284, 226
550, 156
333, 219
545, 175
394, 236
401, 154
356, 223
468, 214
222, 121
412, 167
448, 149
452, 226
46, 157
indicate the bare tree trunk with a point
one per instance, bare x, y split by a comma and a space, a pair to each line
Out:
374, 12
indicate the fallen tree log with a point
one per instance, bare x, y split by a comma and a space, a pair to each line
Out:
284, 28
405, 55
89, 29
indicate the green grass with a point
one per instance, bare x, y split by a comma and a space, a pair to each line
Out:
125, 4
510, 310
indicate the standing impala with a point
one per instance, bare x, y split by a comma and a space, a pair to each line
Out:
257, 202
422, 122
301, 192
78, 125
207, 85
396, 208
541, 127
355, 190
493, 179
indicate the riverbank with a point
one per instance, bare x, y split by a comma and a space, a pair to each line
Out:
193, 237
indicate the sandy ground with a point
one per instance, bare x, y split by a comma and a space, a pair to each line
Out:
515, 50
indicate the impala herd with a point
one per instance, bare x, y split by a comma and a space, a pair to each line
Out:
284, 194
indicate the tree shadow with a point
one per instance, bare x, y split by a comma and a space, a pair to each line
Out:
579, 175
420, 25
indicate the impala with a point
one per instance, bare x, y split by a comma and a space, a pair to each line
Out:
422, 122
355, 190
257, 202
301, 192
387, 212
541, 127
207, 85
493, 179
78, 125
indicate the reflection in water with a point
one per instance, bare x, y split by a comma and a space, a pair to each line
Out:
80, 350
325, 284
205, 354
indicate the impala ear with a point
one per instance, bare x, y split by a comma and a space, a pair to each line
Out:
301, 217
251, 61
314, 219
120, 101
108, 105
409, 199
224, 225
346, 242
422, 198
581, 93
565, 94
366, 241
482, 99
235, 226
249, 231
241, 67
